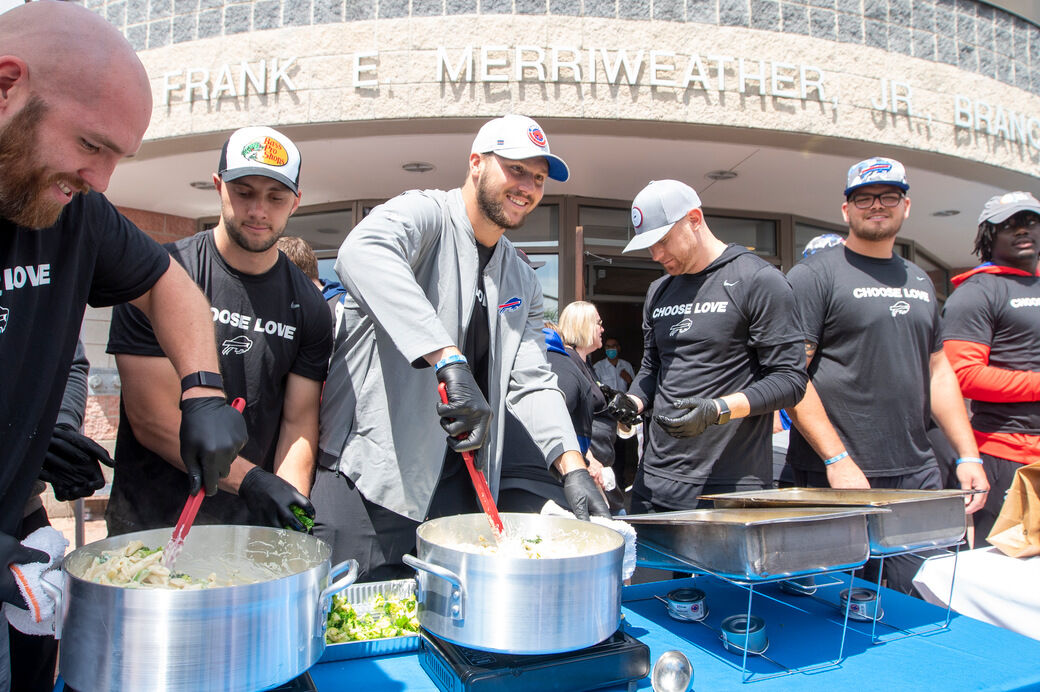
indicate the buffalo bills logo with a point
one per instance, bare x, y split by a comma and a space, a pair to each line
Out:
875, 169
239, 345
535, 134
680, 327
637, 217
511, 305
4, 312
900, 308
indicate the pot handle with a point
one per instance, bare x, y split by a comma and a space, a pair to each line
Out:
55, 593
340, 584
458, 594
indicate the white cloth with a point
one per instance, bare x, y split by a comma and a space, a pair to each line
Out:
610, 375
988, 586
38, 618
628, 563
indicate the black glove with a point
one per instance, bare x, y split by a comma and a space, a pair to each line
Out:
72, 464
622, 409
583, 495
270, 499
701, 414
608, 391
212, 434
14, 553
467, 415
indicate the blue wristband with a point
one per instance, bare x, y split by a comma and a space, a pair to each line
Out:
968, 460
835, 459
448, 360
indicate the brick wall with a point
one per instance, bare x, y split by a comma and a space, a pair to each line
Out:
102, 417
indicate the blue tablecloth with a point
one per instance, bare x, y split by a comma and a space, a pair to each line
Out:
970, 655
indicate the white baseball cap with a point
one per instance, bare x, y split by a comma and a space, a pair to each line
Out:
261, 151
656, 209
518, 137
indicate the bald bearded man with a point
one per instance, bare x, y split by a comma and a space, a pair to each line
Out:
74, 101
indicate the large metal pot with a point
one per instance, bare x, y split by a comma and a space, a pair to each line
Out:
247, 637
515, 604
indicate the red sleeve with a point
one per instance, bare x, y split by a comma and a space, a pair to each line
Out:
982, 382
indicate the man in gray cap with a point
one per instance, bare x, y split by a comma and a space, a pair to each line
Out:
876, 365
991, 333
438, 295
721, 352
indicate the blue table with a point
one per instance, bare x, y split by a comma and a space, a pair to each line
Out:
970, 655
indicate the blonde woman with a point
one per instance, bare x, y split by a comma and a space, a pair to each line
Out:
526, 484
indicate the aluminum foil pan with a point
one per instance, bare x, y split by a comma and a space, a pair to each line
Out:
360, 596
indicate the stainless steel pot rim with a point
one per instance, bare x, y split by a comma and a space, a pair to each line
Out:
613, 539
87, 552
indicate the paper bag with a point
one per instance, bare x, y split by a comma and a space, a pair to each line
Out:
1017, 530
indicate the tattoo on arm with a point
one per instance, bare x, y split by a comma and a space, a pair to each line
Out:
810, 351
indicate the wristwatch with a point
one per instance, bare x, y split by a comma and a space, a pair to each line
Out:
202, 378
724, 412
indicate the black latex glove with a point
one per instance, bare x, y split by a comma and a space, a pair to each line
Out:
622, 409
14, 553
700, 414
608, 391
270, 499
73, 464
466, 416
583, 495
212, 434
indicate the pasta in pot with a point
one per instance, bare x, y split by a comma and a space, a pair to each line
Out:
138, 567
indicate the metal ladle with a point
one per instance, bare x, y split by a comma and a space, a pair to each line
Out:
672, 672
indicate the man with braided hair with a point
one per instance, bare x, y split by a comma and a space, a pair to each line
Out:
991, 334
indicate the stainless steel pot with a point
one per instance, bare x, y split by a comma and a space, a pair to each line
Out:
514, 604
247, 637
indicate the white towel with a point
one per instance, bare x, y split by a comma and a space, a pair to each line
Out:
39, 617
628, 564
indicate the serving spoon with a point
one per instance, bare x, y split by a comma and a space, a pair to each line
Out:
672, 672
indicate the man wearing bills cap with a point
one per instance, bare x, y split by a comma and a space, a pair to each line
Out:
274, 338
721, 352
438, 295
876, 365
991, 334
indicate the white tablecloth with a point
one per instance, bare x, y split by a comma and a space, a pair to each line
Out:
990, 586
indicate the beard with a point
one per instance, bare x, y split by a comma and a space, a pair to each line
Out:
873, 233
247, 242
24, 183
492, 208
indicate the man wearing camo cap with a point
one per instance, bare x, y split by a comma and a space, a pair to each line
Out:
876, 364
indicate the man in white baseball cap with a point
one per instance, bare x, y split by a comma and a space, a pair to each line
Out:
440, 297
723, 321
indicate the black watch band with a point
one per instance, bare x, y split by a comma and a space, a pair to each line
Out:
724, 412
202, 378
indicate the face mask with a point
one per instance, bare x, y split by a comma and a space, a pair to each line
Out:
611, 353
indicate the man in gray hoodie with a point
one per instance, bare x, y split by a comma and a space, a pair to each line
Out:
432, 281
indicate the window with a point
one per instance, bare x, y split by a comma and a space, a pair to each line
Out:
757, 235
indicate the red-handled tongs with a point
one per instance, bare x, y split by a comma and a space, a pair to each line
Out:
188, 514
479, 483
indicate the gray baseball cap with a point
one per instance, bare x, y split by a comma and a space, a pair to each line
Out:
656, 209
1002, 207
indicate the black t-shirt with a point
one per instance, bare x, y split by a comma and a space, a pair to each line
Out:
876, 325
91, 255
523, 466
1002, 312
726, 329
267, 326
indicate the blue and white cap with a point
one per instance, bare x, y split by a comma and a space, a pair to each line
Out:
518, 137
877, 171
822, 242
656, 209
